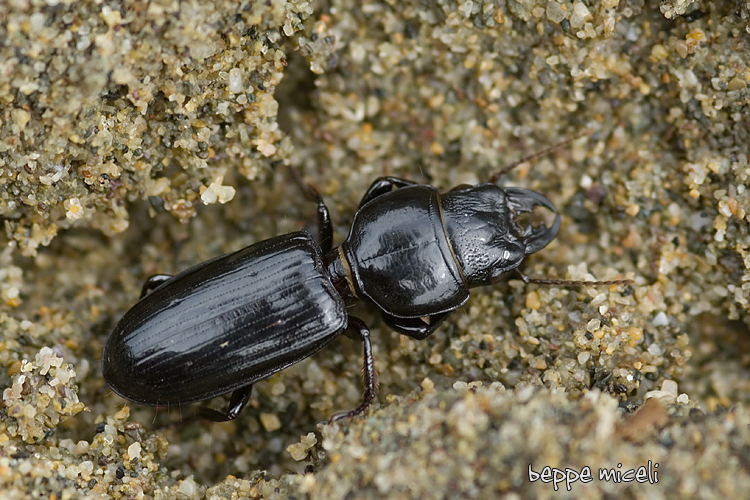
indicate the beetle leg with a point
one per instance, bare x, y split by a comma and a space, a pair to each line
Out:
237, 402
325, 227
383, 185
359, 327
153, 282
416, 328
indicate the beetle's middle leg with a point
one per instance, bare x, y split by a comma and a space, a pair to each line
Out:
237, 402
325, 227
383, 185
153, 282
357, 327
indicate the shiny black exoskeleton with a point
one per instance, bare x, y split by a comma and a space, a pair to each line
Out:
229, 322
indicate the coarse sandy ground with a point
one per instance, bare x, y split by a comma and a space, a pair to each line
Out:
141, 138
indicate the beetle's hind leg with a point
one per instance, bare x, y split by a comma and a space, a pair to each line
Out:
237, 402
359, 328
153, 282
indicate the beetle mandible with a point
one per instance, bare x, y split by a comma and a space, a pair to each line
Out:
231, 321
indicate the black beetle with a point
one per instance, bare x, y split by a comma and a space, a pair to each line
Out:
234, 320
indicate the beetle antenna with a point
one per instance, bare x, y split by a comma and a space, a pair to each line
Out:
533, 156
528, 280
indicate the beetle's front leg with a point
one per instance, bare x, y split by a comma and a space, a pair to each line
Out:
383, 185
237, 402
359, 328
153, 282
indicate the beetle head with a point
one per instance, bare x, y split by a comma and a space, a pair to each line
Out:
487, 232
